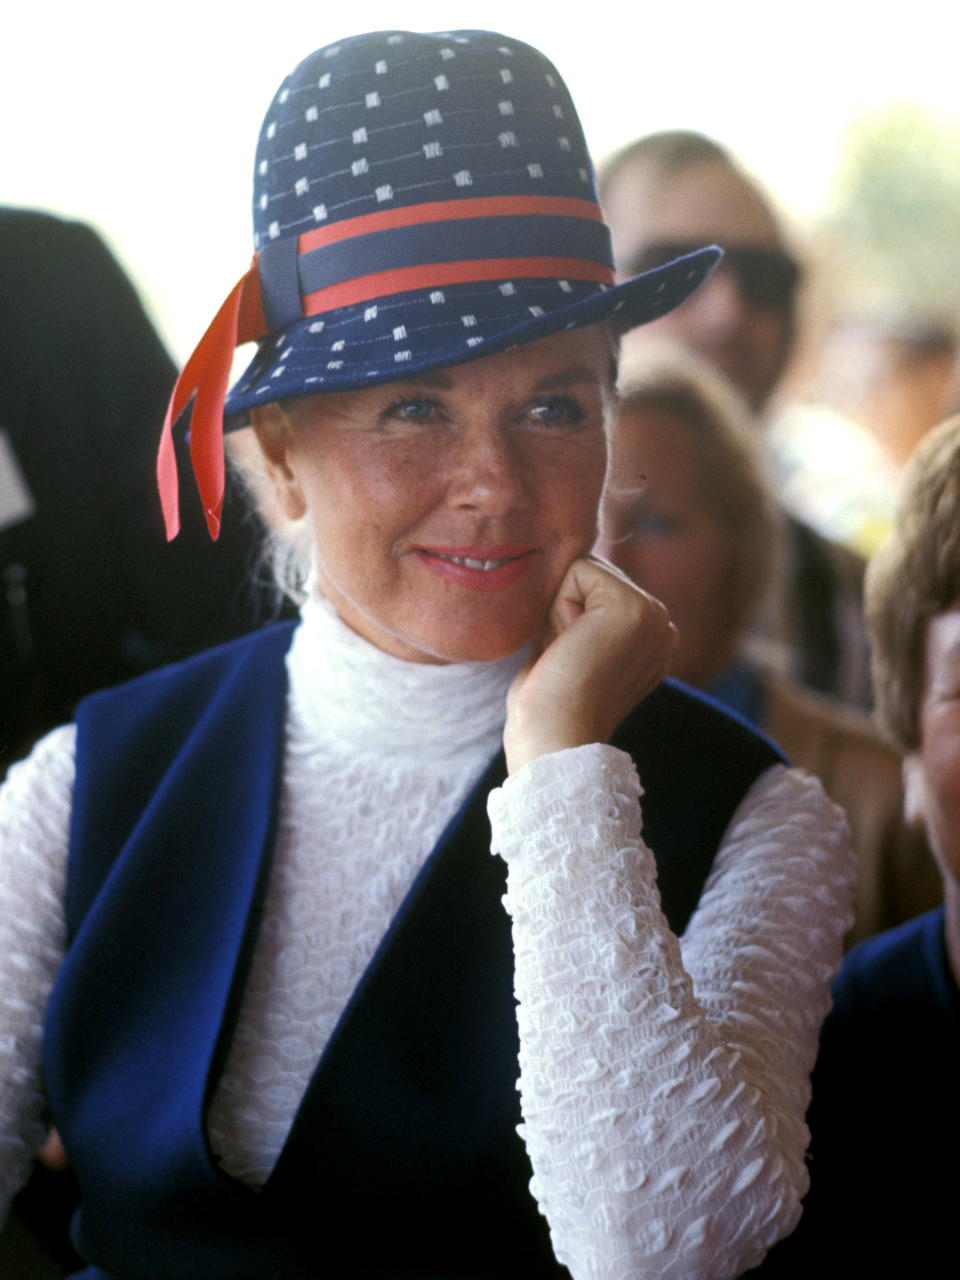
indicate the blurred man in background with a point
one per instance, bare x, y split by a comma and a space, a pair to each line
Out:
676, 190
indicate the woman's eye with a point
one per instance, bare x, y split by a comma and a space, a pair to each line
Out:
655, 524
415, 410
560, 411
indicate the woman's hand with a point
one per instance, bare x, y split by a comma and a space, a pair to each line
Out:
606, 645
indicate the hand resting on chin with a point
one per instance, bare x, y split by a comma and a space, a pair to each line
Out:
606, 645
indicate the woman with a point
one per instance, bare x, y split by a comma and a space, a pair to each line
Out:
700, 534
687, 511
283, 1031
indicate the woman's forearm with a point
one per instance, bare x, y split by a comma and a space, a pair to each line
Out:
663, 1084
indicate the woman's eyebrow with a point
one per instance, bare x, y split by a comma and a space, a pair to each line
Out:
438, 378
442, 380
564, 378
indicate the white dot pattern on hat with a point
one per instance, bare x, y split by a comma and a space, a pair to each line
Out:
400, 85
389, 120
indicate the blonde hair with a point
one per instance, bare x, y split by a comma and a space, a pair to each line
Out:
286, 553
914, 576
729, 475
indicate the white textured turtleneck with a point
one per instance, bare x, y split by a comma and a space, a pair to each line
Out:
379, 755
663, 1082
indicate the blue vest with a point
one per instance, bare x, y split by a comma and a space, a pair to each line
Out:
403, 1160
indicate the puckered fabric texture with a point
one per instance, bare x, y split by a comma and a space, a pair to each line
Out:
717, 1030
379, 753
663, 1082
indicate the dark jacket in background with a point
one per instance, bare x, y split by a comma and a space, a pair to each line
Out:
90, 593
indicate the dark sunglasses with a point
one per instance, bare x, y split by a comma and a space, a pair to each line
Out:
767, 277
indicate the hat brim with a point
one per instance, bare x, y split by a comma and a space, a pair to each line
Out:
372, 343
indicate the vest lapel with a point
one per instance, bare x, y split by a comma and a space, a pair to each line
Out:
412, 1111
404, 1148
133, 1048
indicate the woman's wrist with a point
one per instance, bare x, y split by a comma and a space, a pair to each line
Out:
522, 743
554, 796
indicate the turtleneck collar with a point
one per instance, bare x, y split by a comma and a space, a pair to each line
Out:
344, 689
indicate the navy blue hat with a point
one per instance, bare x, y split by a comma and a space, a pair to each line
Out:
419, 201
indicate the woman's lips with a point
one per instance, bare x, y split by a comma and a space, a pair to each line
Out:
480, 568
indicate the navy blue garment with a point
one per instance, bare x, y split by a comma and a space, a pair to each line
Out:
403, 1159
885, 1117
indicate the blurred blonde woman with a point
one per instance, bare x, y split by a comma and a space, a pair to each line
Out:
688, 514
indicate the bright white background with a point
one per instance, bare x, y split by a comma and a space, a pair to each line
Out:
142, 117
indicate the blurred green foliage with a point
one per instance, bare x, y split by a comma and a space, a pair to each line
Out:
895, 218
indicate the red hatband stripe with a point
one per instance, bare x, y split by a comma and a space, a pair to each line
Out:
437, 274
448, 210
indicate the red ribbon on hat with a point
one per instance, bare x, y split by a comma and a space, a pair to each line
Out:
207, 373
241, 318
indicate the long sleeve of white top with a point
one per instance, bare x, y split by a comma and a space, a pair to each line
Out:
34, 821
664, 1082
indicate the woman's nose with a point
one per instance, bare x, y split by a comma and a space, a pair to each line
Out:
488, 472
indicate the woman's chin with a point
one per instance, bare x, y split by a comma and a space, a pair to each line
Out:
449, 640
444, 648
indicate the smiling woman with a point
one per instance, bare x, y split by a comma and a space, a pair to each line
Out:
425, 496
275, 1014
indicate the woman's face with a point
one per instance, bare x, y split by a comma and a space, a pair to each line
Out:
660, 529
446, 508
932, 772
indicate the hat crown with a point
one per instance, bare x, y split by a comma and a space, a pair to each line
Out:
393, 119
419, 200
